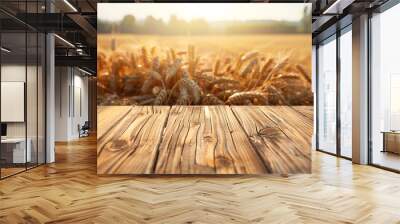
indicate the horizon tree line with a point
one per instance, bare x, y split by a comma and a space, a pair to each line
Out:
176, 26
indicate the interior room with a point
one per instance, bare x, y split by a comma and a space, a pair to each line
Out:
22, 99
64, 127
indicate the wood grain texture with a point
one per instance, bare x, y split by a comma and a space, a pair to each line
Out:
279, 152
131, 145
70, 191
109, 116
305, 110
203, 140
298, 128
206, 140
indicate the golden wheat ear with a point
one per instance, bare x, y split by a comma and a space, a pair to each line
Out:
155, 64
210, 99
304, 73
238, 64
249, 68
193, 88
145, 57
216, 67
133, 61
249, 55
267, 65
161, 98
244, 98
153, 51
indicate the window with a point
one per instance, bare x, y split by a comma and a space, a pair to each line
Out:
346, 93
327, 96
385, 89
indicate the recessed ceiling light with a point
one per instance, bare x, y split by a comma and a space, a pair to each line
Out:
70, 5
5, 50
337, 7
64, 40
84, 71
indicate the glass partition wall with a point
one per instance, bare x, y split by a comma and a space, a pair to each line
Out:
22, 107
13, 91
334, 93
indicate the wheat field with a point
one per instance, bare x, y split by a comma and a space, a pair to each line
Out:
204, 70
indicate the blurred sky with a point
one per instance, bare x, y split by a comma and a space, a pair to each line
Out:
208, 11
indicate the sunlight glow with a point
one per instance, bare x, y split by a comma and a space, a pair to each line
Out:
208, 11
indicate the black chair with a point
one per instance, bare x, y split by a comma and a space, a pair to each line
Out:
84, 130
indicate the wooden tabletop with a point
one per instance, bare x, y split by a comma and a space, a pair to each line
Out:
204, 139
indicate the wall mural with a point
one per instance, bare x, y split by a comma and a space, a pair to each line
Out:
196, 88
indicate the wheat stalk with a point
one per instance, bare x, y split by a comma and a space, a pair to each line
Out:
181, 77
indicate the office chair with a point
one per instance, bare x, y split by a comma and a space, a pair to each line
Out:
84, 130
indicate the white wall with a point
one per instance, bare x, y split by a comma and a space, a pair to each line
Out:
14, 73
62, 81
71, 94
33, 126
81, 89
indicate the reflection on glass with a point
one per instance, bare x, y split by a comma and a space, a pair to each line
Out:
346, 94
327, 97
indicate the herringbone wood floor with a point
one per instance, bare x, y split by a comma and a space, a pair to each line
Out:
69, 191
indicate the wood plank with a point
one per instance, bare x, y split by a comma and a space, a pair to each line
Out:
280, 154
180, 143
297, 127
206, 139
236, 144
131, 147
307, 111
107, 116
112, 124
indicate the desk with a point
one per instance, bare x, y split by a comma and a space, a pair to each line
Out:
391, 141
13, 150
